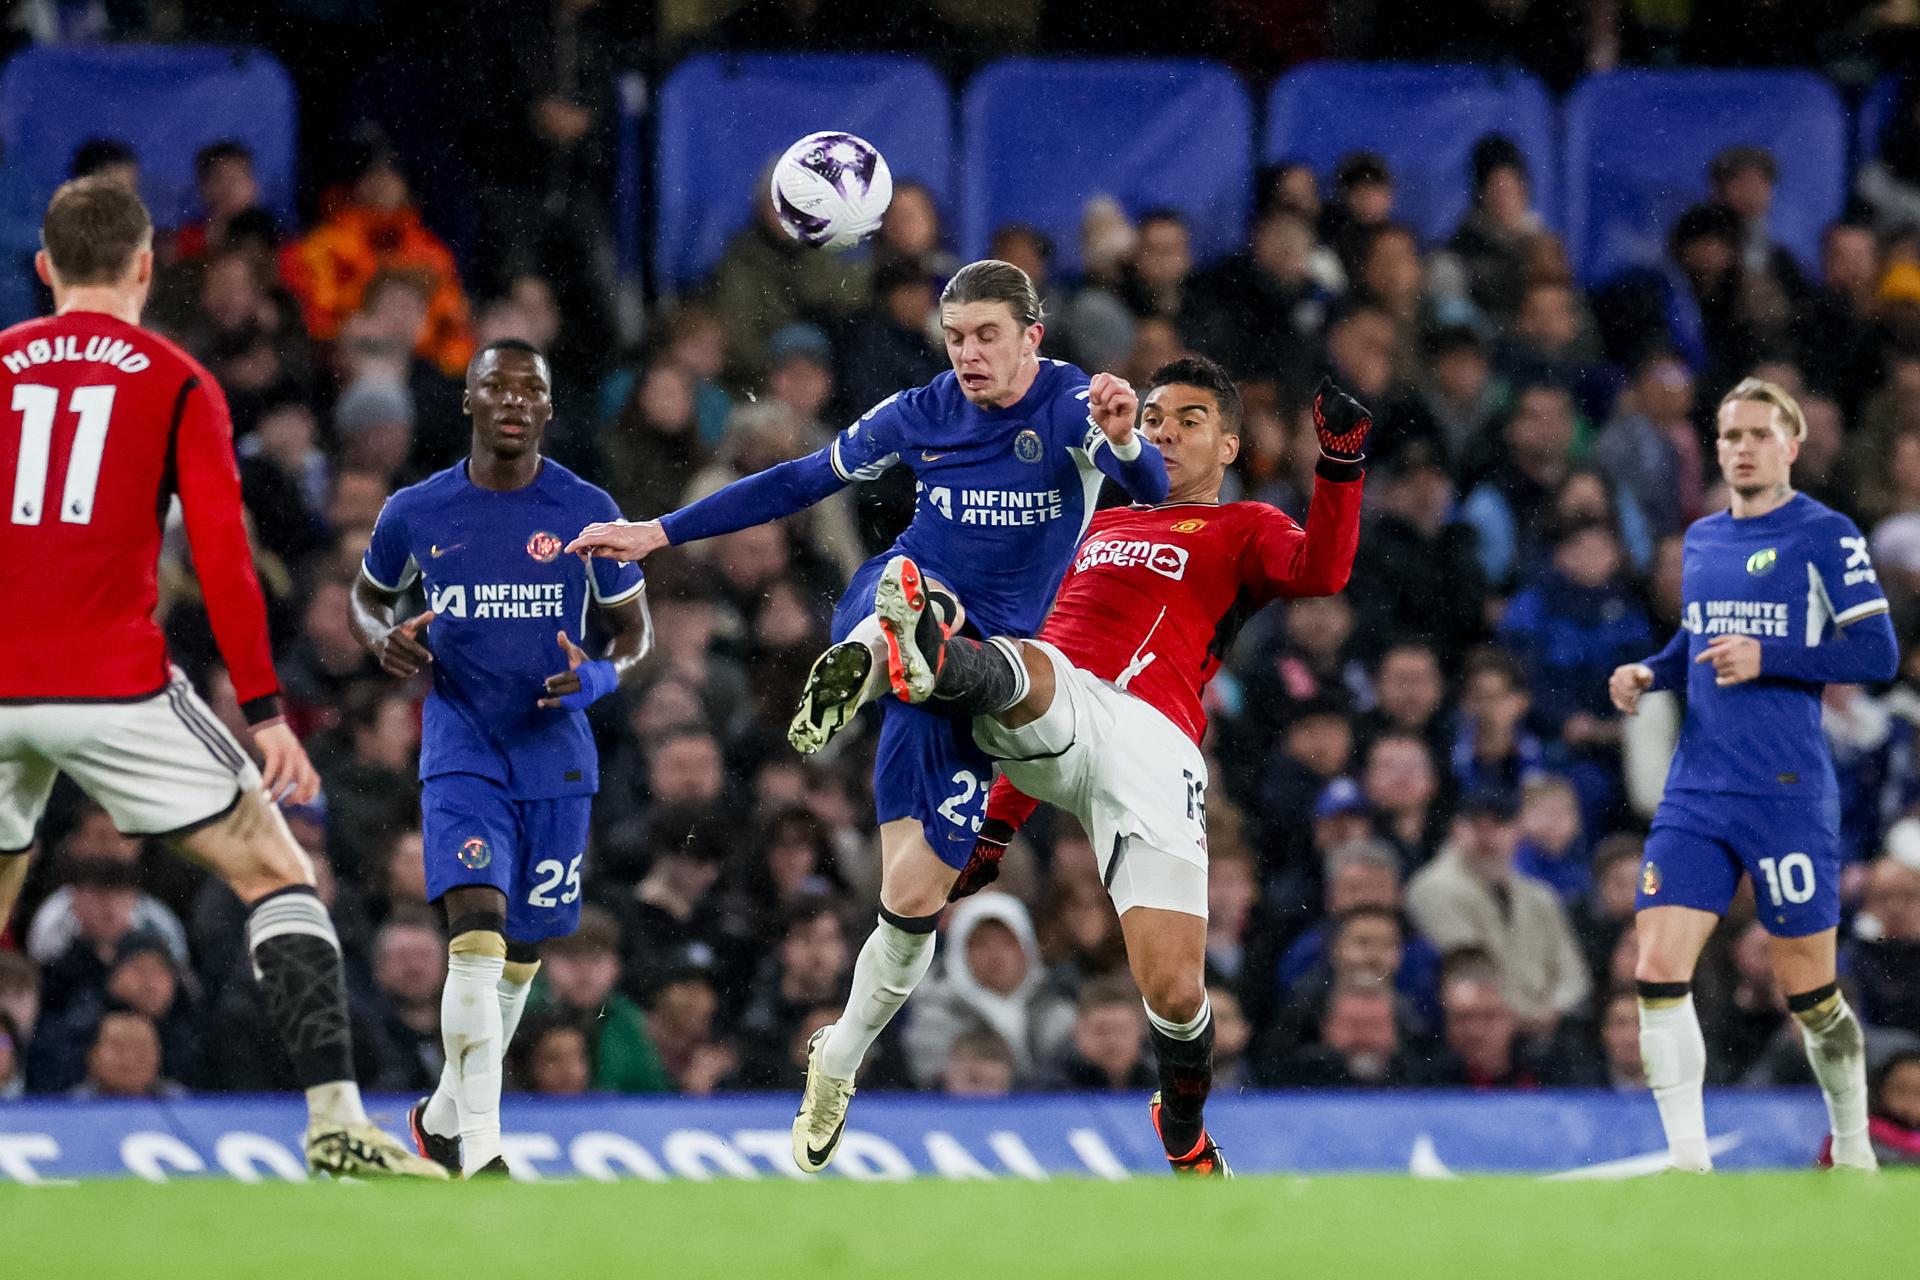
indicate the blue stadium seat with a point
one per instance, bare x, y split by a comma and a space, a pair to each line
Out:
1044, 135
1423, 119
1876, 108
724, 118
166, 101
1638, 144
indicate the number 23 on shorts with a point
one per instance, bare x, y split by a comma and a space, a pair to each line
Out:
969, 787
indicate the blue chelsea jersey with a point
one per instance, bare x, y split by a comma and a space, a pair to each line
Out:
500, 585
1789, 579
1002, 495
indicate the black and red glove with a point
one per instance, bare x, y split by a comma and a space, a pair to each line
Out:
1342, 423
983, 868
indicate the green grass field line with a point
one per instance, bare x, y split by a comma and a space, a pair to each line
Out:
1751, 1226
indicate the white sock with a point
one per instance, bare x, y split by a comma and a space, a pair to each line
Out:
338, 1101
867, 631
441, 1115
1837, 1051
470, 1030
890, 966
513, 1003
1675, 1056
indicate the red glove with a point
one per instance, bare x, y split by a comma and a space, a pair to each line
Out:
1341, 422
983, 868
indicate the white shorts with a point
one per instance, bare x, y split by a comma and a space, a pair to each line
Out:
1135, 781
161, 766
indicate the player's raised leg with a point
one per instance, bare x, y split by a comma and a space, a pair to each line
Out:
1671, 1044
871, 661
926, 658
1836, 1048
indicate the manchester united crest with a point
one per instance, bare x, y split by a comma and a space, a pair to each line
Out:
544, 546
475, 854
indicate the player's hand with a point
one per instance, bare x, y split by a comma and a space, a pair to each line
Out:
1114, 406
1341, 422
619, 540
1735, 659
284, 768
983, 868
1627, 683
401, 650
584, 682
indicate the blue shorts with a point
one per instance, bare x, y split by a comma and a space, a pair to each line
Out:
530, 850
927, 766
1701, 843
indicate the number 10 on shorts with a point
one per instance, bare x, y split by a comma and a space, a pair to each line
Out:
1789, 879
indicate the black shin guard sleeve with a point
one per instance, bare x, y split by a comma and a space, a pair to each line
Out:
979, 677
307, 1001
1186, 1078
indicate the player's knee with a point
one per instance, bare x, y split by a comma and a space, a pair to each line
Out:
1174, 997
251, 849
477, 934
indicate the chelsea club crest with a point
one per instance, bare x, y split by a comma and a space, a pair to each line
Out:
1026, 445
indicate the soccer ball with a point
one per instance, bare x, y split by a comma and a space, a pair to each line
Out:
830, 190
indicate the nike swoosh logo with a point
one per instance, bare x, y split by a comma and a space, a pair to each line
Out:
931, 457
820, 1155
436, 550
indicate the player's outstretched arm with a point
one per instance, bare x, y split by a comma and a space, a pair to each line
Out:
1130, 460
587, 680
399, 647
756, 499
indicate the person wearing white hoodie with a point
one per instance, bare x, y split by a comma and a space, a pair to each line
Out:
990, 975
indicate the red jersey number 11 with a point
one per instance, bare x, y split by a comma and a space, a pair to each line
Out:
37, 407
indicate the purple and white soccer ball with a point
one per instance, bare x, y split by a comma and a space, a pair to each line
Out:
830, 190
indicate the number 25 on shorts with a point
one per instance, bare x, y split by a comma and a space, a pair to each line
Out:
551, 874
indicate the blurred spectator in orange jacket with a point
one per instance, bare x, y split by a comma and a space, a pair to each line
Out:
373, 226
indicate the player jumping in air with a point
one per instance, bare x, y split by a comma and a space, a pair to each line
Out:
1780, 599
1101, 715
507, 763
109, 423
1008, 450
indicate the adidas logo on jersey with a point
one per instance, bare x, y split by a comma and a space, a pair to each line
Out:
1164, 559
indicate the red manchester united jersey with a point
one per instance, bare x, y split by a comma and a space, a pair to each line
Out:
104, 423
1156, 594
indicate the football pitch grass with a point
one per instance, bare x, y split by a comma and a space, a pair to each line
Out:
1488, 1228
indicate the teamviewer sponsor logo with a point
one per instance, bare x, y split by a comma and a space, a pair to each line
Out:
1164, 559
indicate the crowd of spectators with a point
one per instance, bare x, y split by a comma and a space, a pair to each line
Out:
1426, 821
